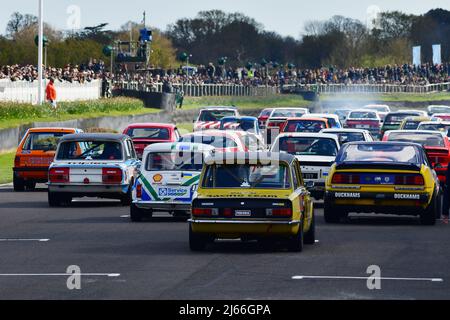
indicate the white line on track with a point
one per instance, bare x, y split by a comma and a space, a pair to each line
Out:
24, 240
111, 275
366, 278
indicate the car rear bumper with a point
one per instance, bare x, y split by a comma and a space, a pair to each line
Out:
82, 189
163, 206
235, 228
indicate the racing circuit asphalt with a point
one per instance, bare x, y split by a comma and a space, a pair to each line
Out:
151, 260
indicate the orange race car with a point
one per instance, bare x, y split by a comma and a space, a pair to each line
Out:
34, 155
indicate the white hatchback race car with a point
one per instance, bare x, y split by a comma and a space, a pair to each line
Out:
168, 179
316, 153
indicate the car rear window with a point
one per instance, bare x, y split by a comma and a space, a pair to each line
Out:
306, 146
411, 125
425, 139
434, 127
376, 153
174, 161
345, 137
149, 133
90, 150
399, 117
215, 141
305, 126
47, 141
272, 176
215, 115
362, 115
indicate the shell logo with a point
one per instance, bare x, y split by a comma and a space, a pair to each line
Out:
157, 178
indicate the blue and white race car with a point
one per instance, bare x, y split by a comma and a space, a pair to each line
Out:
168, 179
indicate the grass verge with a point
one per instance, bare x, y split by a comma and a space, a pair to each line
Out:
6, 164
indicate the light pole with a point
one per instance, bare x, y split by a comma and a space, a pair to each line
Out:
40, 52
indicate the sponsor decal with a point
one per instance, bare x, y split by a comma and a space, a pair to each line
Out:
243, 213
406, 196
355, 195
157, 178
173, 192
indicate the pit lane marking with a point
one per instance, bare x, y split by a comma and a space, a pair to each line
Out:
365, 278
24, 240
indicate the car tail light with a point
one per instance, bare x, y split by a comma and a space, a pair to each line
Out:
17, 161
139, 191
345, 178
279, 212
206, 212
410, 180
59, 175
228, 212
111, 175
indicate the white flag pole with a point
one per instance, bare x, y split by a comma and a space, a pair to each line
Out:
40, 52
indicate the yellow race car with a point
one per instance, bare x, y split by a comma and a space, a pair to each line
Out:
252, 196
382, 177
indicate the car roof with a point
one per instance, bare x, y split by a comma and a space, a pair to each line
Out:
178, 146
407, 111
445, 123
307, 118
218, 108
246, 118
308, 135
252, 157
400, 143
323, 115
151, 125
94, 136
418, 118
53, 129
363, 110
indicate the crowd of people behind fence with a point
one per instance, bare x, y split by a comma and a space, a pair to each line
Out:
211, 74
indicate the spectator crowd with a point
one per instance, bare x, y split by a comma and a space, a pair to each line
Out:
211, 74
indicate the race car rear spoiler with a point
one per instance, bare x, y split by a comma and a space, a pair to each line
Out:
381, 165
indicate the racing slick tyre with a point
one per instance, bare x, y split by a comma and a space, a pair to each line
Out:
331, 215
54, 199
137, 214
197, 242
296, 242
18, 184
310, 236
428, 216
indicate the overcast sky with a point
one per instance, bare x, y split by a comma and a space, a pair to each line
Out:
286, 17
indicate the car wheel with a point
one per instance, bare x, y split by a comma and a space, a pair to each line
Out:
66, 199
30, 185
18, 184
310, 235
54, 199
331, 215
428, 216
197, 242
296, 242
137, 214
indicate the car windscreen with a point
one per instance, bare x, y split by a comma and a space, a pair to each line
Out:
373, 153
333, 123
307, 146
215, 115
90, 150
149, 133
305, 126
265, 113
47, 141
362, 115
345, 137
434, 127
425, 139
174, 161
215, 141
271, 176
399, 117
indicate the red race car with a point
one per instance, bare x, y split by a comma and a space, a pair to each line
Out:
145, 134
364, 119
435, 143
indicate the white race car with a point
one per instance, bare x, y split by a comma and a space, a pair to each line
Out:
350, 135
168, 178
92, 165
316, 153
